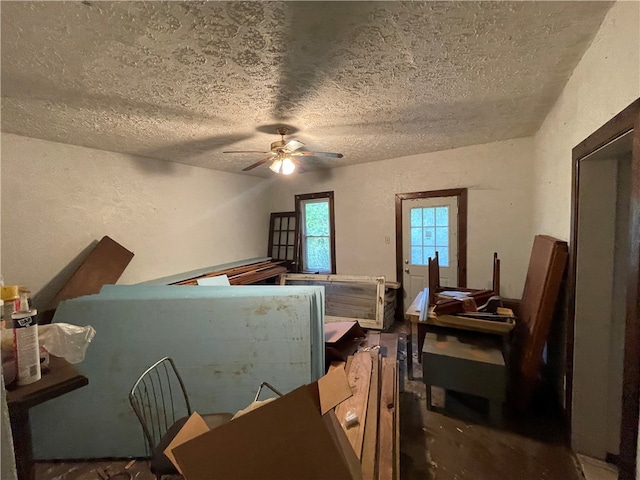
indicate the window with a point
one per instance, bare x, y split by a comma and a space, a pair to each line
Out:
430, 233
317, 232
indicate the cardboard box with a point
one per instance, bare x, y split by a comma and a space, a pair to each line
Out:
341, 339
296, 436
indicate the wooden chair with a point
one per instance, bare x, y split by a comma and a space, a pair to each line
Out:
160, 401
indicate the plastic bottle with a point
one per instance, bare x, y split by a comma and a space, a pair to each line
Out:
25, 340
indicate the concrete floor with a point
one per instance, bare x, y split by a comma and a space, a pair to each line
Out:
458, 445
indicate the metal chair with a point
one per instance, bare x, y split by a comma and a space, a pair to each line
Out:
160, 401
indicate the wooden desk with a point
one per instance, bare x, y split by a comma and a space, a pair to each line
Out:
439, 323
61, 378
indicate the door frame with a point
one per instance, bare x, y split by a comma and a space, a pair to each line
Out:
462, 194
625, 121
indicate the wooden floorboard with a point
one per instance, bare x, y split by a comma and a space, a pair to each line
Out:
359, 376
369, 447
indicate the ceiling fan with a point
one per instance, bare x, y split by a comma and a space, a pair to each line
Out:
283, 154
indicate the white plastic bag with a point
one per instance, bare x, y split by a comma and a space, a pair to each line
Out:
65, 340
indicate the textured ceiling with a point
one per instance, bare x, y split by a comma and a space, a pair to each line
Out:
183, 81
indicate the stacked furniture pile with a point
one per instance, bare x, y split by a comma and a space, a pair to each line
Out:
371, 417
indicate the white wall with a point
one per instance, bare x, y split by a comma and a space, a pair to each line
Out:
57, 199
596, 248
606, 80
498, 176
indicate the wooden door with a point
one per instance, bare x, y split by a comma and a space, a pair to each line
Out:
427, 222
283, 239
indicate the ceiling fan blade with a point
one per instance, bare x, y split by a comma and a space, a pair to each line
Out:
318, 154
258, 163
246, 151
293, 145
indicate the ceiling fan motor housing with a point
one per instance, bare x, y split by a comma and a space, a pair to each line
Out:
275, 146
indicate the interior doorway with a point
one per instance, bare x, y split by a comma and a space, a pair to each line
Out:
602, 335
427, 222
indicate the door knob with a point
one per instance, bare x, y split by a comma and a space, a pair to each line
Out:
406, 261
406, 270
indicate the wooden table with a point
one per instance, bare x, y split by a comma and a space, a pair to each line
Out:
61, 378
442, 323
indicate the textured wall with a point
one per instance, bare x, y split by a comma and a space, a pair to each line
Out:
498, 176
606, 80
57, 199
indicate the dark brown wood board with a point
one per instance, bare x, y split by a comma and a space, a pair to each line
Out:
103, 266
542, 286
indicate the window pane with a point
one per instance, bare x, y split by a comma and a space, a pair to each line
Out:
429, 237
318, 254
442, 236
442, 216
274, 252
416, 256
291, 238
285, 223
416, 236
276, 238
429, 252
283, 238
289, 253
443, 257
316, 217
427, 215
276, 223
292, 223
416, 217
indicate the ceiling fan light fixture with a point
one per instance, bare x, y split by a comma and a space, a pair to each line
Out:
276, 166
288, 167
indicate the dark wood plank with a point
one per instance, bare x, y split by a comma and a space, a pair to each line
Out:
229, 272
103, 266
542, 285
396, 427
389, 345
386, 427
61, 378
495, 283
631, 372
621, 123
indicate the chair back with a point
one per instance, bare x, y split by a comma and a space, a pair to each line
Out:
158, 399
